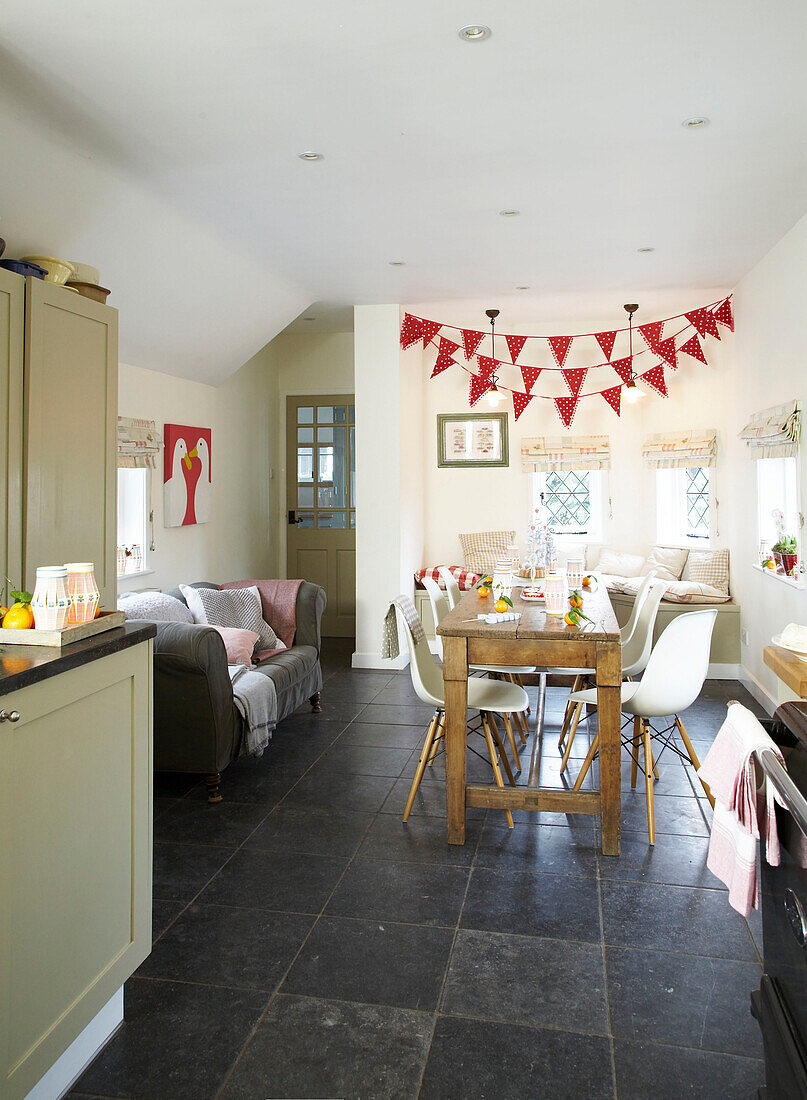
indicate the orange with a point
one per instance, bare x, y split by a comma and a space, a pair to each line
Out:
576, 600
571, 618
483, 592
3, 610
18, 617
586, 582
500, 605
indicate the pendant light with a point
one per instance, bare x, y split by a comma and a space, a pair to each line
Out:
632, 391
494, 395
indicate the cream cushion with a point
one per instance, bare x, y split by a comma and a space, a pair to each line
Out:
483, 548
619, 564
677, 591
666, 562
710, 567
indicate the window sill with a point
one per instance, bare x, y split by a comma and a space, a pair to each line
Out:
792, 582
124, 577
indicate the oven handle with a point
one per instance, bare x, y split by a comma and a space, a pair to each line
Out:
784, 786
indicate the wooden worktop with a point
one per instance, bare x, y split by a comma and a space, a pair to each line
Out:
790, 669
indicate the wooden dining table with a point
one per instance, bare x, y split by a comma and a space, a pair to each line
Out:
545, 641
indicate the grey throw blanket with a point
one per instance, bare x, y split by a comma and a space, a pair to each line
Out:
256, 700
390, 646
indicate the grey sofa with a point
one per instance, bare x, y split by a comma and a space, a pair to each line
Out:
197, 727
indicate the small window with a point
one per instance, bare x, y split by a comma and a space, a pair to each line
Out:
573, 501
684, 506
777, 492
133, 520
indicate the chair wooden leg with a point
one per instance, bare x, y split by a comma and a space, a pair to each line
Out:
520, 683
567, 714
494, 760
439, 734
494, 729
648, 781
519, 720
693, 756
424, 756
637, 740
508, 725
592, 752
578, 710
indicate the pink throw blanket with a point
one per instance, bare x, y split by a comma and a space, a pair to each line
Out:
743, 811
279, 605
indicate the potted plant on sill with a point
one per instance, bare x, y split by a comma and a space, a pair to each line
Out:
785, 553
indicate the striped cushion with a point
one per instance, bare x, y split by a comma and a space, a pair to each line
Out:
463, 577
710, 567
237, 608
483, 548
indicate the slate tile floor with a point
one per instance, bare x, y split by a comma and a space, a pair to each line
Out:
308, 944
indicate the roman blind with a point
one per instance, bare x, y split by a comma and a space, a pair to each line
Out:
774, 433
541, 454
139, 443
677, 450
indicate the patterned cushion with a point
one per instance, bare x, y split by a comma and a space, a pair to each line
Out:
236, 607
710, 567
463, 577
483, 548
153, 606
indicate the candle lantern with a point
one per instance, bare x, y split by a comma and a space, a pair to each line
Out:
83, 592
555, 593
502, 579
574, 572
51, 602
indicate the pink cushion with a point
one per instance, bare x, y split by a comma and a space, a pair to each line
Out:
240, 644
279, 603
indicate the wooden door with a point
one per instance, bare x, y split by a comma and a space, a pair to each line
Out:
320, 497
71, 400
12, 321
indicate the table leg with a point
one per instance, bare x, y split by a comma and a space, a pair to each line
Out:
609, 678
455, 681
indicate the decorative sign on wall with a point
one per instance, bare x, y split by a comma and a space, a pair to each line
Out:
647, 365
472, 439
186, 475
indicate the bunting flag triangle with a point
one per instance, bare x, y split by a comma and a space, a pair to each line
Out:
614, 397
429, 329
624, 368
471, 341
606, 340
514, 346
652, 333
530, 376
445, 356
520, 402
655, 378
666, 349
703, 321
724, 315
574, 378
693, 347
567, 407
560, 348
479, 387
487, 366
411, 330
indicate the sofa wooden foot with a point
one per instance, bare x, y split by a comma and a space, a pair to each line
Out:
315, 702
213, 784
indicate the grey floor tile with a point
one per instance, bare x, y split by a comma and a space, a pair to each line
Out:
196, 821
668, 1073
419, 840
291, 882
311, 829
372, 962
562, 906
384, 736
684, 816
362, 760
537, 848
413, 893
341, 791
397, 714
333, 710
307, 1047
162, 913
254, 782
182, 870
674, 860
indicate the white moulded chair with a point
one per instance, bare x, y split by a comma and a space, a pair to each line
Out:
489, 697
672, 681
439, 604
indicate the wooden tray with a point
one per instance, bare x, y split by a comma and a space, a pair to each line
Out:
76, 632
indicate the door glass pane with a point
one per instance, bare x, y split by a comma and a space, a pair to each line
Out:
332, 520
352, 411
324, 435
331, 414
340, 467
305, 435
306, 519
305, 415
352, 518
305, 463
305, 496
353, 469
325, 496
325, 465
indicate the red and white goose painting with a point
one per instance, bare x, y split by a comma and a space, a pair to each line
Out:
187, 475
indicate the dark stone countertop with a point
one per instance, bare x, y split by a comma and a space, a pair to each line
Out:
21, 665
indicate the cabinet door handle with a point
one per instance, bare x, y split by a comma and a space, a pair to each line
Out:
9, 716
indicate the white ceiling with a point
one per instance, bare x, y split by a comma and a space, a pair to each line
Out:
159, 140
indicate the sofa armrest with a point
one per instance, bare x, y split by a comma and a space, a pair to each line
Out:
311, 602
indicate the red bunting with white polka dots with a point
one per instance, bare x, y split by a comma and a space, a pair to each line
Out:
530, 376
471, 341
429, 329
614, 397
574, 378
478, 388
445, 356
606, 340
704, 321
624, 368
567, 407
487, 366
560, 347
514, 345
693, 347
411, 330
724, 315
520, 402
666, 349
655, 378
652, 333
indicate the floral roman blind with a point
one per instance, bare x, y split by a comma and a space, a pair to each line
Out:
139, 443
774, 433
677, 450
542, 454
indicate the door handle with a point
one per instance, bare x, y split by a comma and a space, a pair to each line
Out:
9, 716
293, 517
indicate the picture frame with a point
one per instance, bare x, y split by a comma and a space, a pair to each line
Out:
472, 440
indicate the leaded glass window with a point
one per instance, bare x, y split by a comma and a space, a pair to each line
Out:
697, 502
567, 499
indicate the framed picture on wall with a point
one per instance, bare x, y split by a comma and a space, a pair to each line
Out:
472, 440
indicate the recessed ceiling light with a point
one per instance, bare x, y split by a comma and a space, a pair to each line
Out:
522, 288
309, 318
647, 248
397, 263
509, 213
310, 155
696, 123
476, 32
